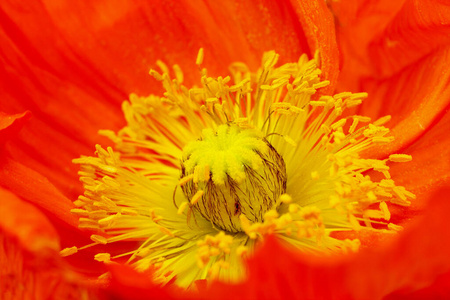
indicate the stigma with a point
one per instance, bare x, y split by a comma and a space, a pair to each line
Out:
232, 171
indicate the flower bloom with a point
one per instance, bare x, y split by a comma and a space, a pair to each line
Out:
75, 84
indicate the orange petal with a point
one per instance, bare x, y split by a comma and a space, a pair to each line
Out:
318, 24
27, 224
357, 24
10, 125
127, 283
32, 186
119, 41
30, 265
379, 38
414, 98
430, 166
440, 289
419, 28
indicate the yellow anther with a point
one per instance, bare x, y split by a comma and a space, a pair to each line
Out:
354, 222
285, 198
293, 208
103, 257
371, 196
321, 84
242, 251
361, 118
270, 59
79, 212
200, 57
155, 218
196, 197
68, 251
352, 103
166, 231
129, 211
186, 179
108, 220
284, 105
400, 157
385, 210
395, 227
212, 100
342, 95
362, 95
317, 103
353, 126
382, 120
162, 66
178, 73
325, 128
155, 75
338, 124
182, 207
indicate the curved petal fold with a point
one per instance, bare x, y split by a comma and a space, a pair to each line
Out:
32, 186
26, 224
10, 125
30, 265
415, 98
318, 24
380, 38
430, 166
419, 28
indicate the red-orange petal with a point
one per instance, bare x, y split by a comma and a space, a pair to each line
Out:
430, 165
440, 289
26, 224
30, 265
32, 186
357, 24
318, 24
120, 41
415, 98
127, 283
419, 28
379, 38
10, 125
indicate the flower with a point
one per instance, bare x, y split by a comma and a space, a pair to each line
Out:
38, 79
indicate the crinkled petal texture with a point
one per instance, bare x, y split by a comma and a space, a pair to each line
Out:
379, 38
30, 266
72, 65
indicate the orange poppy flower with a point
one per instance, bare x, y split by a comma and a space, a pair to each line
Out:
67, 68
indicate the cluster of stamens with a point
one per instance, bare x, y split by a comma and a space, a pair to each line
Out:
260, 154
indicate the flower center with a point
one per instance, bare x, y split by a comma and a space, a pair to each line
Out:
232, 171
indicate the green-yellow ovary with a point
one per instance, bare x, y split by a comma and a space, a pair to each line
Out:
244, 175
